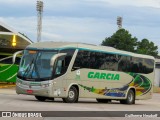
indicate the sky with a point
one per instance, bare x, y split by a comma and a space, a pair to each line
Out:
87, 21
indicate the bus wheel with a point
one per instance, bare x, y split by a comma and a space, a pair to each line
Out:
40, 98
103, 100
130, 98
72, 96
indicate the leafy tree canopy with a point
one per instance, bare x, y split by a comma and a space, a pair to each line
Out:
123, 40
146, 47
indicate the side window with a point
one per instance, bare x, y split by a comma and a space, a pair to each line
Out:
63, 62
85, 60
158, 65
59, 66
99, 60
93, 61
144, 65
77, 62
82, 59
96, 60
110, 62
135, 65
125, 65
103, 61
68, 57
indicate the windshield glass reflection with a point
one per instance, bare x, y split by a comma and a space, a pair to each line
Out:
36, 65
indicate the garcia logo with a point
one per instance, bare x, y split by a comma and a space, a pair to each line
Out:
104, 76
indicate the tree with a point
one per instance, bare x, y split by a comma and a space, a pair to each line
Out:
147, 47
122, 40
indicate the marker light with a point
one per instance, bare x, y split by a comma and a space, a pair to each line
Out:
14, 41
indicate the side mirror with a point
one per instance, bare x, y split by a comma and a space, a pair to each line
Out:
14, 56
55, 57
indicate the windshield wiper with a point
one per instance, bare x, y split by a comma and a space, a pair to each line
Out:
36, 69
28, 68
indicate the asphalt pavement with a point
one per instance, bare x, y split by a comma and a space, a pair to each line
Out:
10, 101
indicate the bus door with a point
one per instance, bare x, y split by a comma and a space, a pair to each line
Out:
59, 70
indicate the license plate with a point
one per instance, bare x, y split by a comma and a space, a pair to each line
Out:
30, 91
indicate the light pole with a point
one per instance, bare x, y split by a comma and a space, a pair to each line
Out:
39, 19
119, 22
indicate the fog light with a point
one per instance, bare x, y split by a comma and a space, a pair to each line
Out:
45, 85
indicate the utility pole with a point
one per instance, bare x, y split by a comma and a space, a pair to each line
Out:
39, 19
119, 22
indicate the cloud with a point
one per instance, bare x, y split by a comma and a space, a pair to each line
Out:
83, 20
48, 36
71, 3
26, 25
18, 2
87, 30
137, 3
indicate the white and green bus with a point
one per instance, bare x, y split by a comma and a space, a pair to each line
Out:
70, 71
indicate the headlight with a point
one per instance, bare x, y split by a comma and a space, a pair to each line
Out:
18, 83
45, 85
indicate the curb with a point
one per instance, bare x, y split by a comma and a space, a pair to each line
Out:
7, 86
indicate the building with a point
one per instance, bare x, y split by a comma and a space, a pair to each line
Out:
157, 73
10, 42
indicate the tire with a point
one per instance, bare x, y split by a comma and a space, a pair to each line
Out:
130, 98
40, 98
72, 96
103, 100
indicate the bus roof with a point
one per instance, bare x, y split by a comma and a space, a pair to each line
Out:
84, 46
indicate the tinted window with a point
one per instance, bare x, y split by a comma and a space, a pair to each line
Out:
96, 60
157, 65
113, 62
136, 65
68, 57
63, 62
82, 59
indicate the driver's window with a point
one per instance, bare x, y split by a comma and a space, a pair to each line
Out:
58, 67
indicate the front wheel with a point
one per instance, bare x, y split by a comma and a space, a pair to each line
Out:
130, 98
72, 96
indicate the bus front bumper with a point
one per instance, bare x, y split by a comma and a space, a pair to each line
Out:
39, 90
43, 88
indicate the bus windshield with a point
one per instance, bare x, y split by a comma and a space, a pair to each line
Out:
35, 65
